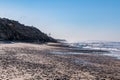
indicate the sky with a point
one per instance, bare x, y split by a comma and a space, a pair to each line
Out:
73, 20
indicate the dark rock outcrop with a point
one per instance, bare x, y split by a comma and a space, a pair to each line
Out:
14, 31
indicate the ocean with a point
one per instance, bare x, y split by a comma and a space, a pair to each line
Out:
112, 47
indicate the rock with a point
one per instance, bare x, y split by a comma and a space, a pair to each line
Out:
11, 30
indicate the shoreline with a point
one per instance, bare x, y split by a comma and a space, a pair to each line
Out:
25, 61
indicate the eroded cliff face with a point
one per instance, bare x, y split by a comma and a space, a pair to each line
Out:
14, 31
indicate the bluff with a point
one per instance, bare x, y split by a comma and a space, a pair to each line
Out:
12, 30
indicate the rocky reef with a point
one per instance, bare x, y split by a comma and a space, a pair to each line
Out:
11, 30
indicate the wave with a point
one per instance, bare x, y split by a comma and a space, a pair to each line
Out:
111, 46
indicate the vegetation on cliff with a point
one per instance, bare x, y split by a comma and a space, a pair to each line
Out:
14, 31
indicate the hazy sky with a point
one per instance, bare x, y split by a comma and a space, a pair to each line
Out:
74, 20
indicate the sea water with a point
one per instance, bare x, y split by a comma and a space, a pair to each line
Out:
112, 47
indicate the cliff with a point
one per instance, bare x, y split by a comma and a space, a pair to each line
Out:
14, 31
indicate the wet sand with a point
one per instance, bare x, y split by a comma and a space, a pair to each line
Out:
24, 61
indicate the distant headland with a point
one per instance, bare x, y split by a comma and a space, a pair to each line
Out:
11, 30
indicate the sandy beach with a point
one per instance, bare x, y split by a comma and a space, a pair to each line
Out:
25, 61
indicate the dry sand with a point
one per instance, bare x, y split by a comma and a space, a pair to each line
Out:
24, 61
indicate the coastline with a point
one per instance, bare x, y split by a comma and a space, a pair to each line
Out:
25, 61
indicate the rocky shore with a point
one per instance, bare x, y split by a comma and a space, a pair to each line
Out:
25, 61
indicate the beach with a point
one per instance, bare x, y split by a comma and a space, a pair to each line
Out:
55, 61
